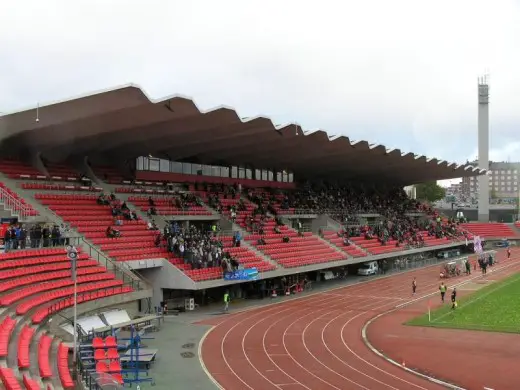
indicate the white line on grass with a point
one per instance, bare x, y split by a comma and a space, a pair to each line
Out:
478, 298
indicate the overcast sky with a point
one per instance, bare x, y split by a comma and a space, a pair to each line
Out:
402, 73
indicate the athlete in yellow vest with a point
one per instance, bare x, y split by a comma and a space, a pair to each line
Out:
442, 289
226, 301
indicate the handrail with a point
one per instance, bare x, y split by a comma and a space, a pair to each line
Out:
125, 273
138, 282
14, 204
324, 211
64, 303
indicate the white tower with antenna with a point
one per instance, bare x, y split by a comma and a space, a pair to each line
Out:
483, 147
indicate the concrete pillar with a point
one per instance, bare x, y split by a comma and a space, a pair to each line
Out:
483, 148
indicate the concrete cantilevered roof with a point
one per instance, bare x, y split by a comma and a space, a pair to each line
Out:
124, 123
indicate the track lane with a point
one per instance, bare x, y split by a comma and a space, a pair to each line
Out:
314, 342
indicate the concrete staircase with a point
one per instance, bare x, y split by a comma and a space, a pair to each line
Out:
46, 215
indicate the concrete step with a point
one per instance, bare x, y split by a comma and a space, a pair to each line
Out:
56, 382
332, 246
28, 195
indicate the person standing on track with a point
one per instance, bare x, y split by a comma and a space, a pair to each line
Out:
226, 301
508, 253
454, 299
442, 289
414, 286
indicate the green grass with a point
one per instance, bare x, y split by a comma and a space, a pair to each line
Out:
494, 308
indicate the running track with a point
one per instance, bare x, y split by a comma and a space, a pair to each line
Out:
315, 342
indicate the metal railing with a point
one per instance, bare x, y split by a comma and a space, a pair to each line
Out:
85, 297
15, 205
176, 212
122, 270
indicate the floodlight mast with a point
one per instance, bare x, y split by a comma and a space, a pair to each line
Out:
483, 147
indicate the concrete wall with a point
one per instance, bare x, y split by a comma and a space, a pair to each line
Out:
324, 221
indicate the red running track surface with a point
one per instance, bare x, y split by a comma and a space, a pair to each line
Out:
315, 342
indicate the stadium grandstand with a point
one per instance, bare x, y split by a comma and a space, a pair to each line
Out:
164, 201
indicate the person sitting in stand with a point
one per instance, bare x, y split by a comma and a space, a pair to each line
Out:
151, 202
126, 214
286, 239
112, 233
277, 230
133, 215
102, 200
152, 211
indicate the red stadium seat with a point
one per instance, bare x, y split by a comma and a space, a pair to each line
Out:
30, 384
63, 367
24, 342
6, 329
110, 342
9, 379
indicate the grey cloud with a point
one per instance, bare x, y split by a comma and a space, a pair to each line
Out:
400, 73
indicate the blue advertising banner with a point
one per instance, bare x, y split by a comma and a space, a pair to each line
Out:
242, 274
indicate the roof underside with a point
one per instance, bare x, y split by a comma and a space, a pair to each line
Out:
123, 124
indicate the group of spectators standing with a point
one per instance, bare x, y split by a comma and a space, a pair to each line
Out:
20, 236
199, 247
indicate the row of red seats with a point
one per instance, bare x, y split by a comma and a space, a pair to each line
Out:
61, 198
87, 296
9, 380
9, 299
142, 190
6, 329
30, 384
110, 354
44, 361
24, 342
107, 342
44, 277
16, 272
32, 253
39, 300
35, 260
59, 187
63, 367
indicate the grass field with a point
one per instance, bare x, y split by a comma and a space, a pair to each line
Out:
494, 308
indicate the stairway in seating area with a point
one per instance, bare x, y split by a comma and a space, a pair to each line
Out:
32, 283
491, 229
336, 240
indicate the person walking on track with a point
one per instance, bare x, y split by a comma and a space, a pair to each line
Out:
226, 301
508, 253
442, 289
414, 286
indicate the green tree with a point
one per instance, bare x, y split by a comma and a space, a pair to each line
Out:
430, 191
